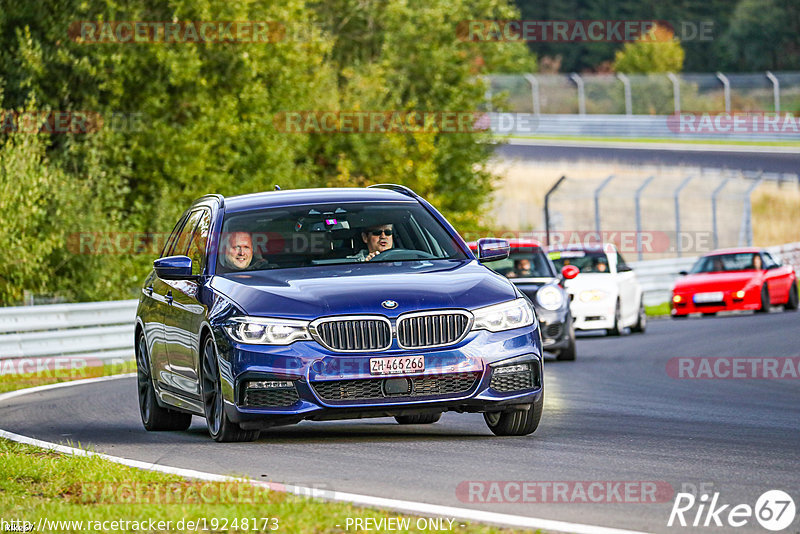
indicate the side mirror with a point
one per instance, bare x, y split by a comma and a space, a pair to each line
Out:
568, 272
491, 249
683, 273
624, 269
174, 268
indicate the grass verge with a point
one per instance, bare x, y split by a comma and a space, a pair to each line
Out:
659, 310
49, 492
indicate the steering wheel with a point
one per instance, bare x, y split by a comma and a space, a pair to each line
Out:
403, 254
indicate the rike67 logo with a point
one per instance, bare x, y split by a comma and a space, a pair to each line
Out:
774, 510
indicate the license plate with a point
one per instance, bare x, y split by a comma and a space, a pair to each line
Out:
715, 296
396, 364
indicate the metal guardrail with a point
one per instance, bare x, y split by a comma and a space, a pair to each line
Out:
625, 126
97, 330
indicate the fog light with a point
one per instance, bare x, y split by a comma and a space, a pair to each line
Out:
271, 384
677, 299
740, 294
508, 369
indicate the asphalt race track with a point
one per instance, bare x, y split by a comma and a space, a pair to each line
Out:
612, 415
641, 154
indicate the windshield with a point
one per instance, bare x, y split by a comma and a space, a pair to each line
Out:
586, 261
323, 234
524, 262
728, 262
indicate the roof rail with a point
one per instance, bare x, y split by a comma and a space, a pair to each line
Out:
395, 187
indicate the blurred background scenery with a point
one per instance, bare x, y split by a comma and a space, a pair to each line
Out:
180, 120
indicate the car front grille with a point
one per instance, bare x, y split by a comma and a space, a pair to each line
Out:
422, 330
354, 334
265, 398
552, 331
372, 388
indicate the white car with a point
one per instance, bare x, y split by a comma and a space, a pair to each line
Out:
606, 294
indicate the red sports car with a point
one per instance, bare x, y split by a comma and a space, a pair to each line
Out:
735, 279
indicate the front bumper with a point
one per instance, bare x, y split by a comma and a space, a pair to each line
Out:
729, 302
594, 315
555, 328
307, 381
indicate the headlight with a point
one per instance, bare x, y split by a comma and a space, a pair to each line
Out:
550, 298
593, 295
506, 316
267, 331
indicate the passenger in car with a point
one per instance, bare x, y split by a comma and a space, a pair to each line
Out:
757, 263
378, 239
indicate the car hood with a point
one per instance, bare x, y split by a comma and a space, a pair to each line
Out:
717, 281
310, 292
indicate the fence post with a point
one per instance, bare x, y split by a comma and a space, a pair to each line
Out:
726, 90
626, 85
714, 211
597, 203
676, 91
534, 92
488, 94
677, 195
776, 91
575, 77
637, 200
747, 223
547, 209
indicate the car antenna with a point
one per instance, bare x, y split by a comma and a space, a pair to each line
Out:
277, 187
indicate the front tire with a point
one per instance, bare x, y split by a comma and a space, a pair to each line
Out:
515, 422
792, 301
764, 300
154, 417
220, 427
567, 354
421, 419
617, 328
641, 322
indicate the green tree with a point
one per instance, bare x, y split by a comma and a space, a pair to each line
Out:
656, 51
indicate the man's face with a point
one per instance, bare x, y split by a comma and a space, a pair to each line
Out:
380, 242
524, 265
239, 251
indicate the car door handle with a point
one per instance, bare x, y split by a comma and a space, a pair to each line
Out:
168, 296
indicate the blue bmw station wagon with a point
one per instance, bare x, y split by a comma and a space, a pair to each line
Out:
273, 308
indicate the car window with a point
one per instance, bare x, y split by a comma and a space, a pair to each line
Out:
181, 245
197, 244
524, 262
325, 234
717, 263
174, 235
588, 261
621, 262
769, 261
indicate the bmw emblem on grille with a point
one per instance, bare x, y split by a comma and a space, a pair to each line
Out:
389, 304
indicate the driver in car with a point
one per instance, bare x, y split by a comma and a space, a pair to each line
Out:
237, 254
378, 239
